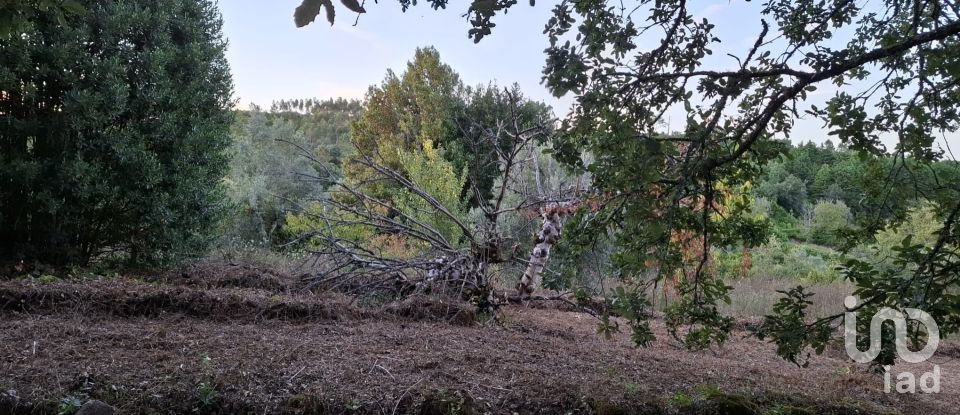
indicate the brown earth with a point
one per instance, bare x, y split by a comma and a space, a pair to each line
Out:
234, 339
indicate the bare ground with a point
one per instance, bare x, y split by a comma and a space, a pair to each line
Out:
231, 339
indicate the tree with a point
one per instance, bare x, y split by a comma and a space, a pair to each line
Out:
895, 76
393, 232
407, 111
117, 142
429, 103
802, 162
623, 92
486, 108
828, 219
16, 17
268, 176
920, 225
439, 169
823, 184
787, 190
432, 174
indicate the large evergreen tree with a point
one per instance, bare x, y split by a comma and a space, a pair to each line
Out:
113, 126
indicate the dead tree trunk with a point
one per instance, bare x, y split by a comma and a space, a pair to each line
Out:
548, 236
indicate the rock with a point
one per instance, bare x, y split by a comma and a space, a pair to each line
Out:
95, 407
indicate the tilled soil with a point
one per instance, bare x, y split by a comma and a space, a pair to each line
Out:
172, 345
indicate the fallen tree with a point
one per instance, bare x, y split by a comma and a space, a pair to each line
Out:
458, 262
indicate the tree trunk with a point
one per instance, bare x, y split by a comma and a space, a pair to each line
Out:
548, 236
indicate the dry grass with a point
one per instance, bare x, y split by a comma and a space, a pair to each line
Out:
754, 297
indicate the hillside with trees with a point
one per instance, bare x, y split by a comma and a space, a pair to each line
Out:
445, 247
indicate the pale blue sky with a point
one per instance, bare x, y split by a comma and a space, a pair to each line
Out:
271, 59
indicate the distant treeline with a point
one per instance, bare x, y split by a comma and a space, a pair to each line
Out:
278, 159
873, 188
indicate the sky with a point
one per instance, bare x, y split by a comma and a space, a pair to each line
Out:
271, 59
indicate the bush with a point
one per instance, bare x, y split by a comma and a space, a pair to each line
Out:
114, 125
828, 219
921, 225
783, 225
785, 260
729, 263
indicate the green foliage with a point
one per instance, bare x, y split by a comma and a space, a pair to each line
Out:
829, 218
637, 310
680, 399
437, 177
439, 137
479, 138
697, 324
310, 218
798, 262
17, 17
481, 12
629, 304
404, 114
727, 263
323, 124
581, 258
921, 226
788, 329
278, 159
428, 103
783, 225
307, 12
661, 192
117, 143
876, 189
207, 395
48, 278
69, 405
405, 111
269, 176
781, 186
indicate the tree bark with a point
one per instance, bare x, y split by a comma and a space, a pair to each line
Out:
548, 236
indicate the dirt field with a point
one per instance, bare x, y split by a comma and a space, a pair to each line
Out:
231, 339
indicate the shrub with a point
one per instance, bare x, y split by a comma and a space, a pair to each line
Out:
783, 225
828, 219
785, 260
921, 225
